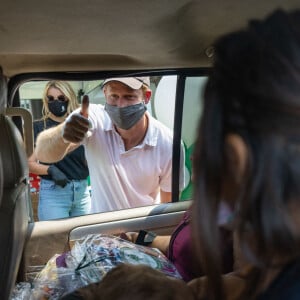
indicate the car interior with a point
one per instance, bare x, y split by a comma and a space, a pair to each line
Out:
84, 43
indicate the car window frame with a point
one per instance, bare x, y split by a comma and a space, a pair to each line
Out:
182, 74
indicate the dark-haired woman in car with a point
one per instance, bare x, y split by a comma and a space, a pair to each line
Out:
252, 111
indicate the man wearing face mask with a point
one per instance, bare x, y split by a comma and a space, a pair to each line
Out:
129, 153
64, 188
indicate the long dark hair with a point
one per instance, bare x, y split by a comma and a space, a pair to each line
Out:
253, 91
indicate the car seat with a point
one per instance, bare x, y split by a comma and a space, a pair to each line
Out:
14, 210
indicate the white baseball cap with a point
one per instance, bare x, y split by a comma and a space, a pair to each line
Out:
133, 82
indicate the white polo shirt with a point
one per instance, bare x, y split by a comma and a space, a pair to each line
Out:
123, 179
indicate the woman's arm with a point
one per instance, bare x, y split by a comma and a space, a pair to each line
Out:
161, 242
35, 167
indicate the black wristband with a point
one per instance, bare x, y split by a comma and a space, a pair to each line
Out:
145, 238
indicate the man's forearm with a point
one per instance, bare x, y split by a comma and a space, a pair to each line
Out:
165, 197
50, 146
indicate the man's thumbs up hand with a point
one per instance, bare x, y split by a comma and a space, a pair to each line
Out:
85, 106
77, 125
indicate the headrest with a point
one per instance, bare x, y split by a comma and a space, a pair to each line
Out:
13, 155
12, 150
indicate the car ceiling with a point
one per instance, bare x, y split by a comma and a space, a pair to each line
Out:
90, 35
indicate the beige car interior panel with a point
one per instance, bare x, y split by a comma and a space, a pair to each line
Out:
161, 218
163, 34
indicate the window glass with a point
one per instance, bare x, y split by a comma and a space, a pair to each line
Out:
192, 111
31, 98
161, 107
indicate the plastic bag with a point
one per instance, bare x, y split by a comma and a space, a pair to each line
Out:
22, 291
90, 259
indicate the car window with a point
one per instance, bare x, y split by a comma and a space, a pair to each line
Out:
192, 111
161, 107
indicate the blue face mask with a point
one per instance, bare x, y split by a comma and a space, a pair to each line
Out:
126, 117
58, 108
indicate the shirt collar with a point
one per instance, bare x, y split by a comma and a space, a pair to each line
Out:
152, 132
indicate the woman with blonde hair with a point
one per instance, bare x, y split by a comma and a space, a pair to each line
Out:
63, 189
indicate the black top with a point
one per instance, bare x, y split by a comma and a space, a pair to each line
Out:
74, 164
286, 286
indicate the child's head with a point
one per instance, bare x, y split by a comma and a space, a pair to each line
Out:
136, 282
248, 147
